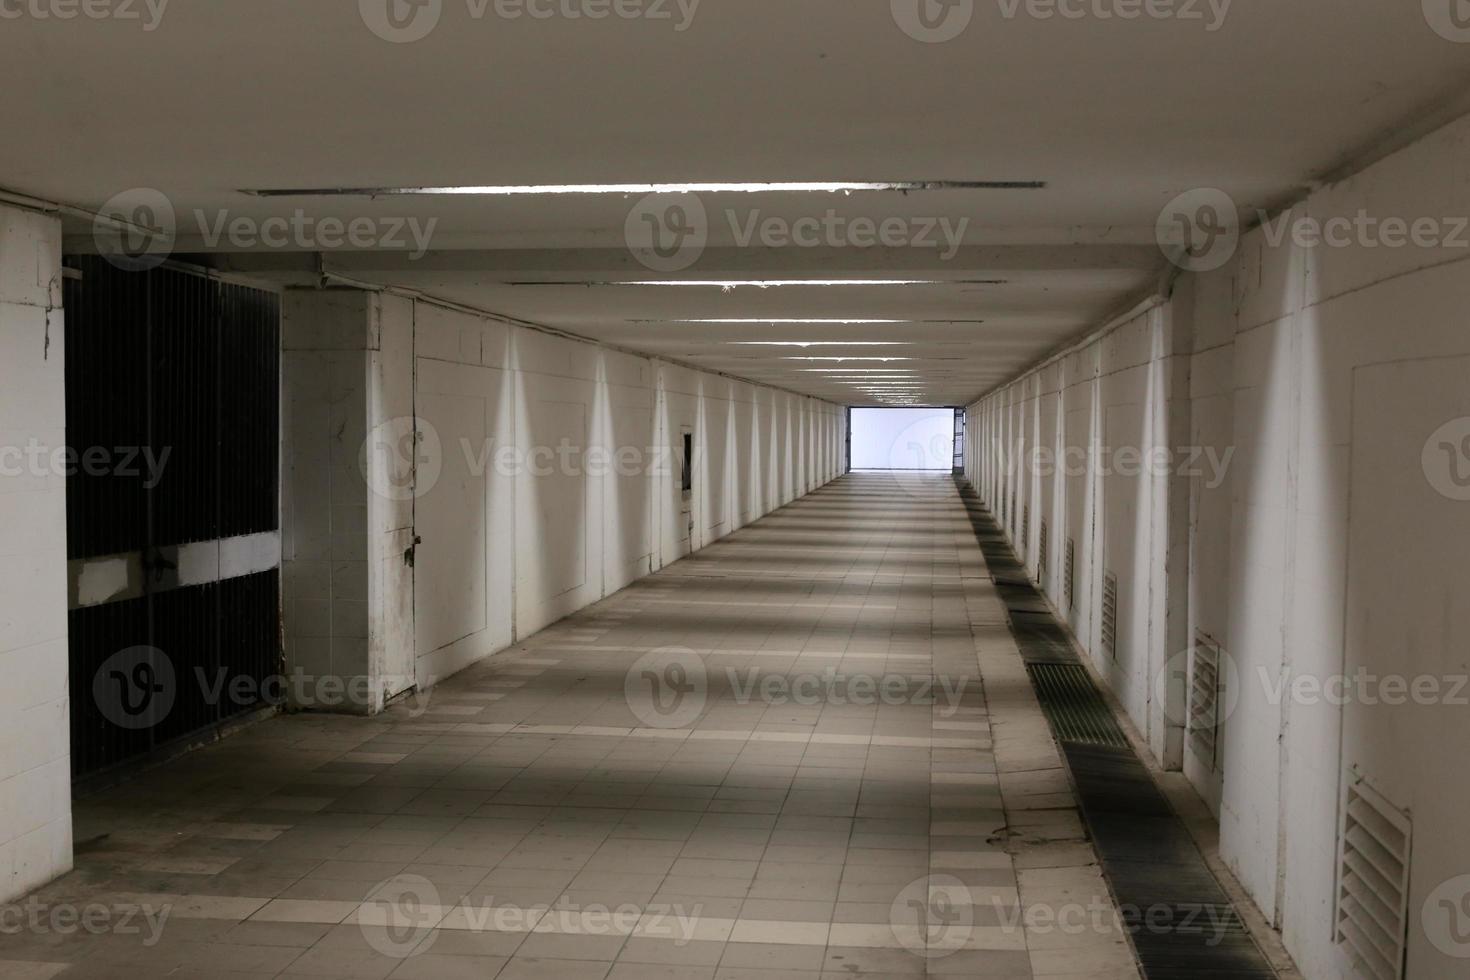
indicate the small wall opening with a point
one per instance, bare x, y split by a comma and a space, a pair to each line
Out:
902, 438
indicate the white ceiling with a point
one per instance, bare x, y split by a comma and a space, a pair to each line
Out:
1116, 116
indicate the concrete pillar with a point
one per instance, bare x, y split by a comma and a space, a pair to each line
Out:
347, 498
35, 735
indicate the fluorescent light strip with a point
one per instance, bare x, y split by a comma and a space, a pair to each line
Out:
818, 343
777, 321
812, 357
771, 283
781, 321
704, 187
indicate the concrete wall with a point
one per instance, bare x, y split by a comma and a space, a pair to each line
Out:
1311, 516
538, 473
346, 598
35, 734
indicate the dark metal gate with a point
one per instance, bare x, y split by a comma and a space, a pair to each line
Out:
173, 422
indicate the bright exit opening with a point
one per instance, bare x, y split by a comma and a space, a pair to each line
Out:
903, 438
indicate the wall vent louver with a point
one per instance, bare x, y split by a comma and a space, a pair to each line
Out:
1043, 548
1206, 694
1069, 573
1110, 616
1373, 881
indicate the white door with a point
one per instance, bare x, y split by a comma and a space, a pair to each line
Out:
463, 518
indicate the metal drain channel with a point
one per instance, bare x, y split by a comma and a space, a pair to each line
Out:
1072, 706
1181, 922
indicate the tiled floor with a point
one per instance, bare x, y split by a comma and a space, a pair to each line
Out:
808, 752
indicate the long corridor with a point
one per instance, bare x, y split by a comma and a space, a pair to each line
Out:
808, 751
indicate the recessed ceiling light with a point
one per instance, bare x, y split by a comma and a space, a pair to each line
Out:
811, 357
706, 187
818, 343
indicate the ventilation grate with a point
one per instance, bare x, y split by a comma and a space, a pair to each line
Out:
1190, 930
1110, 615
1026, 527
1043, 548
1206, 694
1073, 706
1373, 881
1069, 573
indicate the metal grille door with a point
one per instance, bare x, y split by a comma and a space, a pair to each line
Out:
173, 422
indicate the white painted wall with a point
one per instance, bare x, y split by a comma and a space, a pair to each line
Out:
1310, 536
35, 733
546, 475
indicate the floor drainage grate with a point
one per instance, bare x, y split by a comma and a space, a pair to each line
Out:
1177, 915
1072, 705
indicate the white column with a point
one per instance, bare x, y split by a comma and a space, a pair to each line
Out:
347, 508
35, 731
